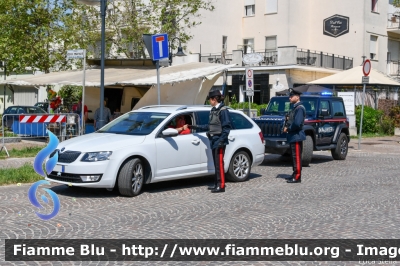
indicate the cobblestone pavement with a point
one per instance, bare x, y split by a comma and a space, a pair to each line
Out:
353, 199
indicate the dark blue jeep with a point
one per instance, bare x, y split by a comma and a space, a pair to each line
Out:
326, 126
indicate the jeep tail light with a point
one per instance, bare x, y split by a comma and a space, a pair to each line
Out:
347, 122
261, 137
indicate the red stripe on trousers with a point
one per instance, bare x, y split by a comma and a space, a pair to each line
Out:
297, 160
221, 167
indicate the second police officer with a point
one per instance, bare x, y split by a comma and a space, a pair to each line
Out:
218, 127
295, 134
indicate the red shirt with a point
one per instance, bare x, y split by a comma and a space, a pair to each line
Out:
75, 108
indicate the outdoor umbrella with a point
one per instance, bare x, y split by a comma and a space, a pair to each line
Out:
306, 88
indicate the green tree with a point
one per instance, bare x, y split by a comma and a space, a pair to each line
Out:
128, 20
37, 33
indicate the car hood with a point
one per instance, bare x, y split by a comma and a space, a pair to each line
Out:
100, 142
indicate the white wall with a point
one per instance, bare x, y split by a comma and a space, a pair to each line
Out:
298, 23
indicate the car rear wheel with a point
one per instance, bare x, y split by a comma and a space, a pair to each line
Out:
239, 167
342, 146
130, 178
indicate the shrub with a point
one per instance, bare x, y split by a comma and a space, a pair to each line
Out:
395, 115
371, 119
245, 105
387, 125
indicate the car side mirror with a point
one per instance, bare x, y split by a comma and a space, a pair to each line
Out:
262, 111
170, 132
323, 113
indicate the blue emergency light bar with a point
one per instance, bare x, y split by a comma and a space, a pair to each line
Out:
323, 93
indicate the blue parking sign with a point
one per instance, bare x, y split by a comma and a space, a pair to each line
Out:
160, 46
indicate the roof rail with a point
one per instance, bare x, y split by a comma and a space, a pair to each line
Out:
155, 106
181, 107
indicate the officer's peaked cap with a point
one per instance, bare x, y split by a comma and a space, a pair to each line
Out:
214, 93
294, 92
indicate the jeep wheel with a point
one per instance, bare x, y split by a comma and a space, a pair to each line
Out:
308, 147
342, 146
239, 167
130, 178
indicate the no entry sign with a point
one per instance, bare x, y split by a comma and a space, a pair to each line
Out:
367, 67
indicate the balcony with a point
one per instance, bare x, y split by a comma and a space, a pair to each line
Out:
288, 55
324, 60
220, 58
393, 68
393, 23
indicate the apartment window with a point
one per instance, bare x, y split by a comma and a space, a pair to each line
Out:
374, 5
270, 43
248, 46
249, 10
224, 43
271, 6
373, 47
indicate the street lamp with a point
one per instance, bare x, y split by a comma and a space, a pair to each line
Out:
103, 8
180, 50
3, 64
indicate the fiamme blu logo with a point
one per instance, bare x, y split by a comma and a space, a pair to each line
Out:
49, 166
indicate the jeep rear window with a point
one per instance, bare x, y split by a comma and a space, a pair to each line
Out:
136, 123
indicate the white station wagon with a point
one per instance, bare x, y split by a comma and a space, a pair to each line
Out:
140, 147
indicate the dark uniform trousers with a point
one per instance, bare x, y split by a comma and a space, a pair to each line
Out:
297, 148
218, 156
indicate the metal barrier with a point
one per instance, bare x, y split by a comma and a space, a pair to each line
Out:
14, 127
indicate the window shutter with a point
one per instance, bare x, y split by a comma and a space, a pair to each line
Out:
270, 43
271, 6
372, 44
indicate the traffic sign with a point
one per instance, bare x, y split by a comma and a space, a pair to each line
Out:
249, 73
365, 80
160, 46
249, 92
366, 67
249, 79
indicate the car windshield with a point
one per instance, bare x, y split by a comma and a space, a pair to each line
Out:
136, 123
281, 105
35, 110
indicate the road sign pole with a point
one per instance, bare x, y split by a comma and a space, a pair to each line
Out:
82, 124
158, 81
366, 70
362, 115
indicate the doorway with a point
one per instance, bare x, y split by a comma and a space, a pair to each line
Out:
114, 97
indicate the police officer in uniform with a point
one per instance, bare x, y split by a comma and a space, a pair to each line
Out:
218, 127
295, 134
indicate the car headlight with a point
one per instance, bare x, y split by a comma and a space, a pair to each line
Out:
96, 156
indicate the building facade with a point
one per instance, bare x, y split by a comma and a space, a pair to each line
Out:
299, 40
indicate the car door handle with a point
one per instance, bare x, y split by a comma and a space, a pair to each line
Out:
231, 138
195, 142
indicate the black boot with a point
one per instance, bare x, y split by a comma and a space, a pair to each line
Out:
293, 180
212, 187
218, 190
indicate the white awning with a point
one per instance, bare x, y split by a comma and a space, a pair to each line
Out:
354, 77
124, 76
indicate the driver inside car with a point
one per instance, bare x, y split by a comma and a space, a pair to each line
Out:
180, 125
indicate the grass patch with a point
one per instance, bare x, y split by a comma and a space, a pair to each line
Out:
22, 153
24, 174
371, 135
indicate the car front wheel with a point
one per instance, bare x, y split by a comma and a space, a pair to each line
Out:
131, 178
342, 146
239, 167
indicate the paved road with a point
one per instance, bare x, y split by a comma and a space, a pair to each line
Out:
355, 198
